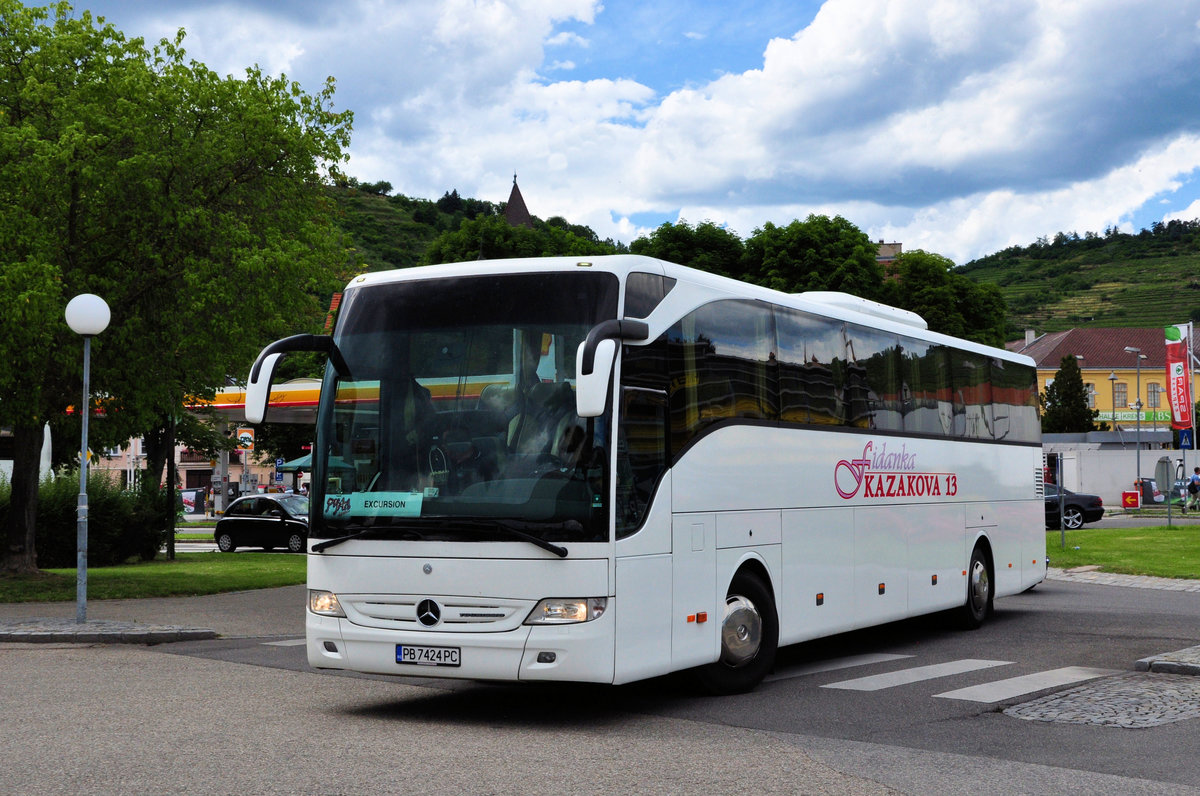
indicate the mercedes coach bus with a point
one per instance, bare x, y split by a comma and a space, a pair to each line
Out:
609, 469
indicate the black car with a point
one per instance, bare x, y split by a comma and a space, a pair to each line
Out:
266, 521
1078, 508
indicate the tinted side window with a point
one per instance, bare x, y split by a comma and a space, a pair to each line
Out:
1015, 402
642, 453
971, 376
644, 292
872, 386
925, 388
811, 368
722, 366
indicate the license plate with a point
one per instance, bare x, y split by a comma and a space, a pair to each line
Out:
427, 656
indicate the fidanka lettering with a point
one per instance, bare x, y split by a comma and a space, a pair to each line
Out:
884, 473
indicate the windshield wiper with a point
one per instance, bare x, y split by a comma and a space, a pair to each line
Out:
518, 528
321, 547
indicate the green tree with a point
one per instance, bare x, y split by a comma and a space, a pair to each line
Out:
705, 246
192, 203
493, 238
819, 253
1065, 402
925, 283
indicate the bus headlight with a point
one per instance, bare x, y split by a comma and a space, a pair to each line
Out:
324, 603
567, 610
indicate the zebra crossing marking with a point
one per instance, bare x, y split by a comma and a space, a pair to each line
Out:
916, 674
1026, 684
833, 664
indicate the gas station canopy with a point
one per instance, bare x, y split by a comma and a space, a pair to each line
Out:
291, 402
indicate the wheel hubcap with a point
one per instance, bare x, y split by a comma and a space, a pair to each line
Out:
979, 585
741, 631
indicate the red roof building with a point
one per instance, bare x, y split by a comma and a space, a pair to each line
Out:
1111, 374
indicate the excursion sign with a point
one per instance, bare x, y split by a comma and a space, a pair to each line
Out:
375, 504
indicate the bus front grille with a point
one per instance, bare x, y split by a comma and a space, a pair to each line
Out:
458, 614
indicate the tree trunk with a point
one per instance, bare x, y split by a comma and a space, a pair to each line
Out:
156, 445
159, 445
19, 531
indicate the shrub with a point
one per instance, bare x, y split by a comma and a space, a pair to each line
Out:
122, 524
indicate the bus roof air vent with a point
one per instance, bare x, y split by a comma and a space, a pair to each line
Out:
865, 306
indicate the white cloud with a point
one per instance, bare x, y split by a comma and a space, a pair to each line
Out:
566, 38
955, 126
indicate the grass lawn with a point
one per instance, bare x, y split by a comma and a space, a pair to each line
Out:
1158, 550
1162, 551
188, 574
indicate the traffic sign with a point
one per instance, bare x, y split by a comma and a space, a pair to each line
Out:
245, 438
1185, 439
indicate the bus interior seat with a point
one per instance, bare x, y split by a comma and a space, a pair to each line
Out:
539, 425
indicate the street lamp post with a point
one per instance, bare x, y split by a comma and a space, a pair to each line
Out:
1112, 387
1137, 407
88, 316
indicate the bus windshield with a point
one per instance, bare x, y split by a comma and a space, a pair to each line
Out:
456, 420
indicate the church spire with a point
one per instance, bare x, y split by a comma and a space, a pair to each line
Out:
515, 212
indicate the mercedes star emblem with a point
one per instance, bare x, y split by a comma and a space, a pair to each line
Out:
429, 613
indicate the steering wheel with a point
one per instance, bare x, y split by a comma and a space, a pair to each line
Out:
441, 466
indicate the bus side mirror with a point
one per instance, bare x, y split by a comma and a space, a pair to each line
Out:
258, 389
594, 362
591, 389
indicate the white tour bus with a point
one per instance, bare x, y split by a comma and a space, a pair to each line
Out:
605, 470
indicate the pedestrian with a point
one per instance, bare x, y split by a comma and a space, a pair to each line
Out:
1193, 488
208, 502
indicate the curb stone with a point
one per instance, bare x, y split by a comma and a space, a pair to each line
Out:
1186, 661
58, 630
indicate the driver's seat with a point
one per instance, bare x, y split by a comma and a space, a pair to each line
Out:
541, 420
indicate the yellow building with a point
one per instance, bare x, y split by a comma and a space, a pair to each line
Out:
1119, 366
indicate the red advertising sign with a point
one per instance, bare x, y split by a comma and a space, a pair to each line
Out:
1179, 383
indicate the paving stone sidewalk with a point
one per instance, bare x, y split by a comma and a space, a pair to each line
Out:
1094, 575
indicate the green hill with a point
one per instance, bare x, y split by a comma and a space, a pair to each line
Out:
1151, 278
395, 231
399, 231
1114, 279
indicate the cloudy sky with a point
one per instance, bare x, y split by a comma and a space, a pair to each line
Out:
955, 126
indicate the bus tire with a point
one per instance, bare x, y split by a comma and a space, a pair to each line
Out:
978, 603
749, 638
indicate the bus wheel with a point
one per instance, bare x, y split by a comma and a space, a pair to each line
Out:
979, 591
749, 638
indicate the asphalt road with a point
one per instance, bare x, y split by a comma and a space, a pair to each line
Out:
245, 714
